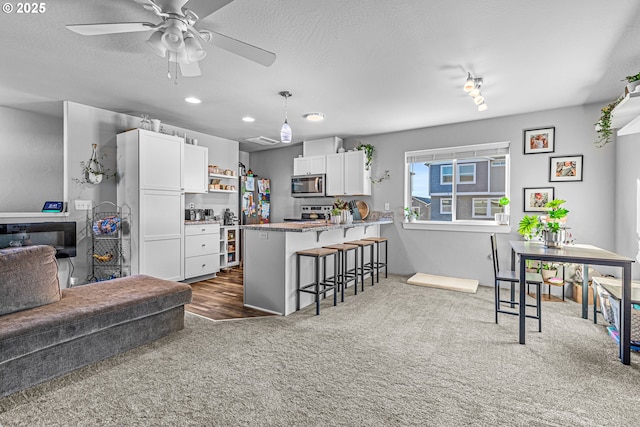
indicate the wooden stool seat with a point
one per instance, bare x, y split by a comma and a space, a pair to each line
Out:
317, 252
341, 247
360, 242
375, 239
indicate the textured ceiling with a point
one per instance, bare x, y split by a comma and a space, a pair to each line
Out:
372, 66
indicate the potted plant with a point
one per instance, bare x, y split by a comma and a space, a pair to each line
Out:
550, 228
342, 208
632, 83
368, 150
335, 215
548, 271
93, 172
503, 217
410, 215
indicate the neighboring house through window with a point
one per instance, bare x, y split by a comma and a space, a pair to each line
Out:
471, 194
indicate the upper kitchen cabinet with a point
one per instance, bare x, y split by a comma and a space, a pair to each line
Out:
309, 165
347, 174
156, 158
196, 160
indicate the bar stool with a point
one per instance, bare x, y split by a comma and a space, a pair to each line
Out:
379, 265
317, 287
344, 277
365, 267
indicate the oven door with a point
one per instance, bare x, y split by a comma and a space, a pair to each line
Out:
308, 186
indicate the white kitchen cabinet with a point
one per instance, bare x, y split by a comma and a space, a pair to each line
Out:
150, 183
347, 174
310, 165
196, 161
201, 250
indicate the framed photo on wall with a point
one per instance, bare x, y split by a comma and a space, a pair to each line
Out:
566, 168
534, 199
541, 140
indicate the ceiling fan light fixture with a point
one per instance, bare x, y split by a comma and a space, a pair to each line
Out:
192, 100
248, 119
314, 117
194, 49
172, 38
156, 45
482, 107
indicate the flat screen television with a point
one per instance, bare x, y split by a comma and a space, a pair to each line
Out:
60, 235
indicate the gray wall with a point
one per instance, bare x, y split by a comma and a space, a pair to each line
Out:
31, 159
626, 213
466, 254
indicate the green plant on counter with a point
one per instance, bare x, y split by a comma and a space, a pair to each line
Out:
368, 150
335, 212
341, 205
504, 201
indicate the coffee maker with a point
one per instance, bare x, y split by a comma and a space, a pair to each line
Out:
229, 217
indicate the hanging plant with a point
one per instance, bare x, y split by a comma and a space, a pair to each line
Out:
368, 149
603, 126
384, 176
93, 172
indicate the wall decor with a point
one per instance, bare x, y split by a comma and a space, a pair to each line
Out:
540, 140
565, 168
535, 199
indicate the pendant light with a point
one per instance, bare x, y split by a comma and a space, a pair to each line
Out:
285, 131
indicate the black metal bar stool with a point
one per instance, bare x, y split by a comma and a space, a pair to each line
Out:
364, 267
378, 264
317, 287
344, 277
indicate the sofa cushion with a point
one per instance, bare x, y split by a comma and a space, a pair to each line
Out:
87, 309
28, 278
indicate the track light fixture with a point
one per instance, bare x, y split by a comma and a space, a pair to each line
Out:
472, 87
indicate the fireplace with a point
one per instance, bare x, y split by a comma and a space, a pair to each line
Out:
60, 235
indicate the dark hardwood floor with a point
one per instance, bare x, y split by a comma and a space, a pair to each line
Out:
221, 298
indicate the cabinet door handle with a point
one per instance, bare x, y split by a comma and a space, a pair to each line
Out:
204, 265
204, 244
204, 229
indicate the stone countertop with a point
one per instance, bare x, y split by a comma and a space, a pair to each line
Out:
302, 227
202, 221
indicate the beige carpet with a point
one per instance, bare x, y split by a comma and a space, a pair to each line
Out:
443, 282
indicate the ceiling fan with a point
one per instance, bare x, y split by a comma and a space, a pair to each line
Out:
176, 36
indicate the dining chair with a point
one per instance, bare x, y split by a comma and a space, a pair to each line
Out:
512, 277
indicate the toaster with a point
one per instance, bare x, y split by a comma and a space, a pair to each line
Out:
194, 214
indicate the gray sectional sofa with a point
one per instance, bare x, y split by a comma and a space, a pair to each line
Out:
45, 332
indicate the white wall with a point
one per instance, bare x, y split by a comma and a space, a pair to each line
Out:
627, 203
466, 254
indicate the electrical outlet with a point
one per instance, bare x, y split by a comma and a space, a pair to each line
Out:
192, 205
386, 206
83, 205
264, 235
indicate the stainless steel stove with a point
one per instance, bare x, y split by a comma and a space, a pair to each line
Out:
312, 213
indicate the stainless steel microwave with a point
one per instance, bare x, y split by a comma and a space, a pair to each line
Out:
308, 186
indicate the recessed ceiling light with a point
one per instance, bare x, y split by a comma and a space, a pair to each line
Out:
192, 100
248, 119
314, 117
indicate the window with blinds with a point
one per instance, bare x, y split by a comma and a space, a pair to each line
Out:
458, 184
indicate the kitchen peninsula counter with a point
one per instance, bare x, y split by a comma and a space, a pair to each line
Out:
270, 260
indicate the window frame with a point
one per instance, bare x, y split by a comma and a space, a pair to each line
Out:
460, 154
442, 205
459, 166
442, 175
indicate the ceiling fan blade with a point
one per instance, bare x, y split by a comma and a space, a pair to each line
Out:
204, 8
112, 28
189, 69
246, 50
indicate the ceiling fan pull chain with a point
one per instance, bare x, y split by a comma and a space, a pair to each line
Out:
175, 82
168, 68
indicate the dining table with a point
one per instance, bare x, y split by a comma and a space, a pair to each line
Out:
580, 254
